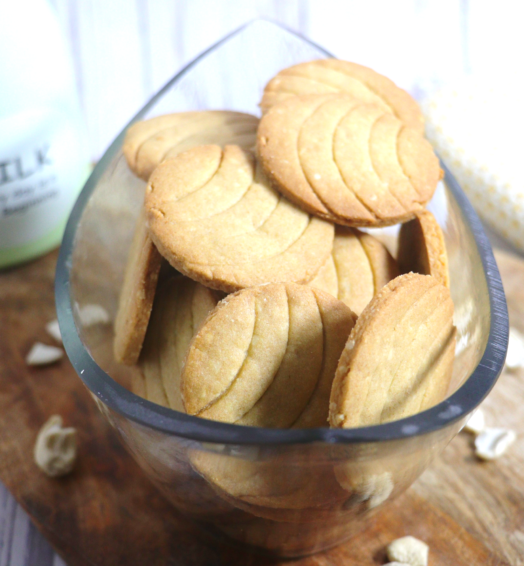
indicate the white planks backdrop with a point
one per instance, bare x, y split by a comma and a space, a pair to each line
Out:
125, 50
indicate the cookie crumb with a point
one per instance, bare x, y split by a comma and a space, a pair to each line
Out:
55, 448
42, 354
339, 418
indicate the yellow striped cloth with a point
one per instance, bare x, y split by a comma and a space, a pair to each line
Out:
477, 128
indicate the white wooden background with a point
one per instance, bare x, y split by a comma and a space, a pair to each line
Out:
125, 50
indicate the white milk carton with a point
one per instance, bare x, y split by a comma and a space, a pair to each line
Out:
43, 161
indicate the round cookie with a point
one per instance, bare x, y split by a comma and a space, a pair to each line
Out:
146, 144
150, 142
266, 357
273, 487
345, 161
214, 217
399, 357
181, 305
421, 247
327, 76
137, 295
359, 266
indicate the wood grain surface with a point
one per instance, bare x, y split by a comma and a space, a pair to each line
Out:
107, 513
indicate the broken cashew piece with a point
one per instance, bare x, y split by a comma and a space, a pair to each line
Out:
53, 329
55, 448
42, 354
92, 314
476, 422
408, 550
493, 442
515, 355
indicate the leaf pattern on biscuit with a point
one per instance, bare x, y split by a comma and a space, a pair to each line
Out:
350, 162
359, 266
422, 249
150, 142
180, 307
266, 356
137, 295
214, 217
398, 360
331, 76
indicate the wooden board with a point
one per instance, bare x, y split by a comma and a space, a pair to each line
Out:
107, 513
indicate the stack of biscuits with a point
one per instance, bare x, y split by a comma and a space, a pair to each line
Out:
280, 312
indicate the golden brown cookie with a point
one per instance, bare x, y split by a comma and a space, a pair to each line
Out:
345, 161
136, 295
399, 357
181, 305
271, 486
383, 264
213, 216
359, 266
266, 356
147, 143
421, 247
150, 142
327, 76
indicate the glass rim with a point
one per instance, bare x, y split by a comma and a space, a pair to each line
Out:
467, 397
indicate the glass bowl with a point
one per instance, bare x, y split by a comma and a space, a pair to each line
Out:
288, 492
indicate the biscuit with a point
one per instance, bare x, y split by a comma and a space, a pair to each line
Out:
266, 357
398, 359
359, 266
136, 295
271, 487
214, 217
345, 161
147, 143
150, 142
181, 305
383, 264
421, 247
326, 76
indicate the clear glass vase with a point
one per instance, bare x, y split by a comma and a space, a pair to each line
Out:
288, 492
